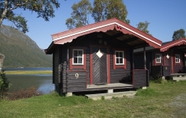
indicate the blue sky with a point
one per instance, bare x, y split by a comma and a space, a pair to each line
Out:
164, 16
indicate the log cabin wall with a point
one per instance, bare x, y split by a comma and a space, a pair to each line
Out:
156, 69
76, 79
121, 74
140, 77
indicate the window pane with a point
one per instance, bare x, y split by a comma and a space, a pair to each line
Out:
121, 60
120, 54
79, 53
75, 60
79, 60
117, 54
117, 60
75, 53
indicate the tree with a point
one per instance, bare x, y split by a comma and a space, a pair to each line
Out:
101, 10
44, 9
178, 34
79, 16
143, 26
117, 9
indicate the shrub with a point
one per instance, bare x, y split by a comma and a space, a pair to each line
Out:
4, 84
32, 91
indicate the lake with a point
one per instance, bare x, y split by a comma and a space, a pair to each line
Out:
43, 81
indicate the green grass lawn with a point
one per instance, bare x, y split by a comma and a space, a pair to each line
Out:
165, 100
22, 72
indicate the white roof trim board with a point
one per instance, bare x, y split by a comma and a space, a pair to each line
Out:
113, 23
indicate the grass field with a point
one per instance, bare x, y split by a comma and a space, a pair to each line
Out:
29, 72
165, 100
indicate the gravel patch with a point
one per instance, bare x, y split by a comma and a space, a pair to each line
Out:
179, 105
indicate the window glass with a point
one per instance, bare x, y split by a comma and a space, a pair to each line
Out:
158, 58
119, 57
177, 58
77, 57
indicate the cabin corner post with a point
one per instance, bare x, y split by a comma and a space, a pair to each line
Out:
64, 78
145, 58
132, 58
147, 76
67, 69
162, 66
184, 62
132, 65
68, 56
145, 66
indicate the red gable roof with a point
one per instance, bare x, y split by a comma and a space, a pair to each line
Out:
103, 26
171, 44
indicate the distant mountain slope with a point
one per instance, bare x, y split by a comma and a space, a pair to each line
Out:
20, 50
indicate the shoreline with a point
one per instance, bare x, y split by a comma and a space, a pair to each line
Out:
26, 72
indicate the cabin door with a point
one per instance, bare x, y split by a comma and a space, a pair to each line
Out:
167, 63
99, 65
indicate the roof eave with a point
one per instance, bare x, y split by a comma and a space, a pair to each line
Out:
49, 50
171, 44
103, 26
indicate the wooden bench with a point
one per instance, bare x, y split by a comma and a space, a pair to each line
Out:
178, 76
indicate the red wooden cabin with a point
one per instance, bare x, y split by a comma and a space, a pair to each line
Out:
99, 56
170, 59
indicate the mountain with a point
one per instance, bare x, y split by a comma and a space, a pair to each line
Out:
20, 50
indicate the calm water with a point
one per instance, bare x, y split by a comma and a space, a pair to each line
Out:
42, 82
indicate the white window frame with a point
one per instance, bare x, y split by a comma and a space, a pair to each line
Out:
177, 60
119, 51
159, 57
82, 56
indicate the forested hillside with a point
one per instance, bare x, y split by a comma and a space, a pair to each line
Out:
20, 50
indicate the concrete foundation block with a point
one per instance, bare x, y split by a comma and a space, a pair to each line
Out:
69, 94
110, 91
144, 87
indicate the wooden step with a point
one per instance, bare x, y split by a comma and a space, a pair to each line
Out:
100, 96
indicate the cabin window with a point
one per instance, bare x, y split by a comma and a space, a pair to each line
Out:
77, 55
177, 58
158, 58
119, 60
77, 58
